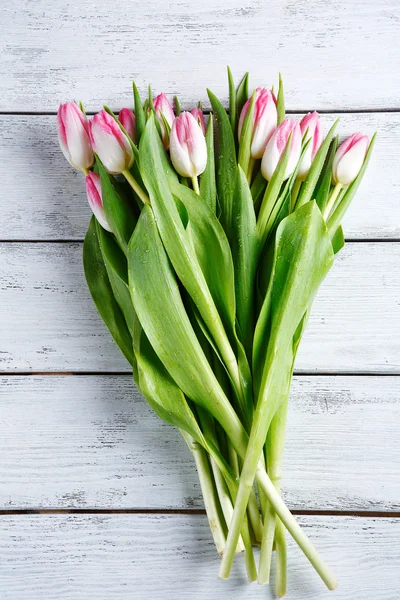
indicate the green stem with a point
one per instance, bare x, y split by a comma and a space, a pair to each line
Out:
252, 467
252, 162
274, 449
253, 511
267, 543
195, 184
295, 193
227, 489
228, 419
225, 500
281, 559
332, 199
207, 490
136, 187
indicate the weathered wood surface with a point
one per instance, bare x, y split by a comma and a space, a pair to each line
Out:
172, 557
92, 442
43, 197
333, 55
48, 321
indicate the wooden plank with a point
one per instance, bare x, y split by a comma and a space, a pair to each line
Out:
92, 442
49, 323
170, 557
44, 198
331, 57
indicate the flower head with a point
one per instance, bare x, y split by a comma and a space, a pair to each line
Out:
265, 120
163, 108
128, 122
311, 124
277, 146
73, 136
188, 146
349, 158
199, 116
93, 191
110, 143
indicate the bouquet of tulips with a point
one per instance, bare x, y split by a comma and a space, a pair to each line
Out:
207, 246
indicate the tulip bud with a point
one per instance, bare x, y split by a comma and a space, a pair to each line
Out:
312, 125
163, 107
276, 147
110, 143
73, 136
188, 146
198, 115
349, 158
128, 122
93, 191
265, 120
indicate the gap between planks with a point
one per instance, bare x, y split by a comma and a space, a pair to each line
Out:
81, 240
292, 111
125, 373
186, 511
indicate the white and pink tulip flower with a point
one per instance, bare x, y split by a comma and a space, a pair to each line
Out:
93, 191
162, 106
199, 116
349, 158
188, 148
265, 120
128, 122
311, 124
110, 143
73, 136
277, 145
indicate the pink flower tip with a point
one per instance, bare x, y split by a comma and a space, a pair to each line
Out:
94, 196
73, 136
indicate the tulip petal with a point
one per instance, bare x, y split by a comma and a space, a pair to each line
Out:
350, 164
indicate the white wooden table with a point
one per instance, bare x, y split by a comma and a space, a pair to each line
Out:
99, 499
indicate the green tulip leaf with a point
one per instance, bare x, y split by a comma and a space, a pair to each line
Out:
323, 187
208, 188
242, 95
158, 303
225, 160
119, 213
280, 103
339, 212
102, 293
307, 192
245, 251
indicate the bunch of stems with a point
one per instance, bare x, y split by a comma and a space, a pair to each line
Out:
212, 339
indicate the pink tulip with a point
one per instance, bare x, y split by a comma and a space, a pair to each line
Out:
188, 146
277, 145
163, 106
265, 120
349, 158
312, 125
93, 191
110, 143
198, 115
73, 136
128, 122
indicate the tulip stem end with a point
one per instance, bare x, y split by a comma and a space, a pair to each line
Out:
195, 184
136, 187
332, 199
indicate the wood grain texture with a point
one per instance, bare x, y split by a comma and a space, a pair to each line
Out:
92, 442
331, 54
44, 197
49, 323
173, 558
